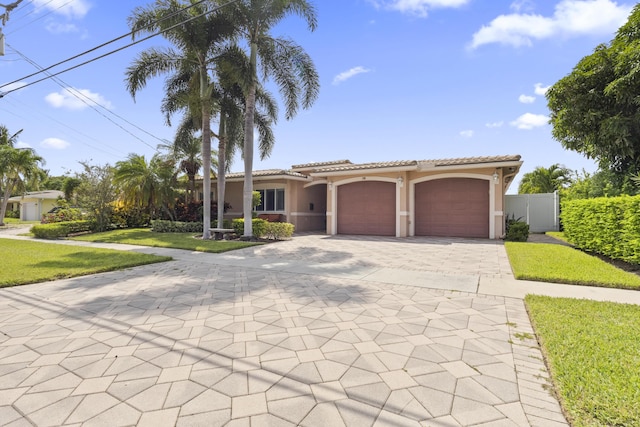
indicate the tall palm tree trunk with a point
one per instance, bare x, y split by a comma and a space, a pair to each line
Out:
206, 156
248, 146
222, 160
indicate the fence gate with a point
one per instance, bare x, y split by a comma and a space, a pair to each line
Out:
540, 211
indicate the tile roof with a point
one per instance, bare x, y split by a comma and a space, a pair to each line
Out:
266, 172
472, 160
320, 164
378, 165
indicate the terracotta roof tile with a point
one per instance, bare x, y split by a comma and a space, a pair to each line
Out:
472, 160
320, 164
378, 165
266, 172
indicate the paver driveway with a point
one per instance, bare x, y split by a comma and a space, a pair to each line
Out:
319, 330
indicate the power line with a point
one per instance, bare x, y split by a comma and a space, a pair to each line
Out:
91, 104
33, 110
38, 18
110, 52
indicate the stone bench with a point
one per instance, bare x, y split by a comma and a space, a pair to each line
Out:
221, 233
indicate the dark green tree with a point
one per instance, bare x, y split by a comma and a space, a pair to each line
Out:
595, 110
545, 180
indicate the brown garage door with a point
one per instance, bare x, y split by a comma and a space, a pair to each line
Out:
367, 207
456, 207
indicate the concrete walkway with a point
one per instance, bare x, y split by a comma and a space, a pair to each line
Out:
318, 330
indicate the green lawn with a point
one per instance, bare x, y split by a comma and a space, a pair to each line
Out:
557, 235
562, 264
593, 352
144, 237
31, 262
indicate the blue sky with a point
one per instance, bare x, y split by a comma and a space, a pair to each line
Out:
400, 80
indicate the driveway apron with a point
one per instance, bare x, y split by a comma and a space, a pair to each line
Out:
315, 331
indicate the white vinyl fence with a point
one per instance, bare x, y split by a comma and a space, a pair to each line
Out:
540, 211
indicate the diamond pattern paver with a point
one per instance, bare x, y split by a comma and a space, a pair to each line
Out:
236, 340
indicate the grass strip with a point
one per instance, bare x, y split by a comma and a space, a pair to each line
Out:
26, 262
545, 262
593, 352
145, 237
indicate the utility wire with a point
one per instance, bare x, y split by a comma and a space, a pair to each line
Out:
113, 51
38, 18
91, 104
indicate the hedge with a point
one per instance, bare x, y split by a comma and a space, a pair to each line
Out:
607, 225
60, 229
259, 226
278, 230
165, 226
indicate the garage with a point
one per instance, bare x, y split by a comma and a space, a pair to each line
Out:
452, 207
367, 207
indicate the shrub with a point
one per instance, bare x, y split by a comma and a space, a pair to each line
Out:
278, 230
60, 229
12, 214
164, 226
517, 231
192, 211
608, 226
62, 215
130, 217
259, 226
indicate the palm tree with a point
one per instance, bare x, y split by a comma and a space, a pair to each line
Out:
146, 185
186, 152
281, 59
199, 39
545, 180
7, 139
18, 166
228, 96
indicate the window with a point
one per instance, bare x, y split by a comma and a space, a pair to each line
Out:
271, 200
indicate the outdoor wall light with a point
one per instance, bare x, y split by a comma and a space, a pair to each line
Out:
330, 185
496, 177
400, 181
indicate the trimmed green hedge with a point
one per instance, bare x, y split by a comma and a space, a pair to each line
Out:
259, 226
60, 229
278, 230
607, 225
165, 226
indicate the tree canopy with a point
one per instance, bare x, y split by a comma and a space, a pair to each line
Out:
595, 110
545, 180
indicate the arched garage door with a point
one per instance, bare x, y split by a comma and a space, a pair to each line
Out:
454, 207
367, 207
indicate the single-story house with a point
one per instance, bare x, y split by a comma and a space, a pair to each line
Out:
34, 204
462, 197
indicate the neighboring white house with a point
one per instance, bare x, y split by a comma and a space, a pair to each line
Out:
34, 204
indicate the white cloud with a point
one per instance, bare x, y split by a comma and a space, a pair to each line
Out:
66, 99
57, 28
541, 90
526, 99
417, 7
346, 75
22, 144
494, 125
466, 133
570, 18
529, 121
13, 86
55, 143
68, 8
522, 5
